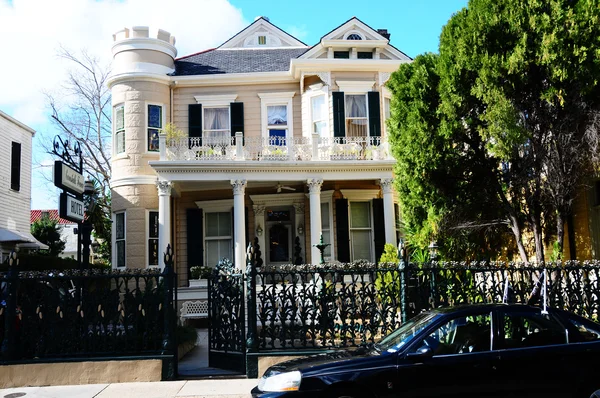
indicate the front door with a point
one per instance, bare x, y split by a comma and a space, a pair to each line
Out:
279, 235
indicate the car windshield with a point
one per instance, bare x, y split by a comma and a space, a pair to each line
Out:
405, 333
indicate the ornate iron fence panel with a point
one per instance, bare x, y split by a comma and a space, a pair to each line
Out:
331, 306
326, 308
226, 305
86, 313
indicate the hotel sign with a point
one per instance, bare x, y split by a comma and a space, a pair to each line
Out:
70, 208
68, 179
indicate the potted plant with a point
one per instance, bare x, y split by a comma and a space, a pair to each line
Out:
200, 275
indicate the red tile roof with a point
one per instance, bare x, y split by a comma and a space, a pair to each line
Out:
36, 215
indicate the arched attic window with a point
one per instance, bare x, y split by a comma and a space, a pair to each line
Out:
354, 36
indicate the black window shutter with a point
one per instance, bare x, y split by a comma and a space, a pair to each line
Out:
379, 228
195, 245
343, 231
237, 117
15, 167
339, 114
374, 114
195, 121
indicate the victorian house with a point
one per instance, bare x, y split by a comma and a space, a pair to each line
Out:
271, 138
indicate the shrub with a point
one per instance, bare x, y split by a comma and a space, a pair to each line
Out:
201, 272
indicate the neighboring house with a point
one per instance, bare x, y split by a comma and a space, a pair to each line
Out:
283, 142
15, 186
68, 230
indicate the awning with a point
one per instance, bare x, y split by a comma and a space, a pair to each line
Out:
23, 239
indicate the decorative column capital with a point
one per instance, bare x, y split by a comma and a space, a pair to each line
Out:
239, 186
314, 185
299, 208
259, 210
164, 188
387, 185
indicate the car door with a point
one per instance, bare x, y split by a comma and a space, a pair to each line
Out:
453, 360
534, 358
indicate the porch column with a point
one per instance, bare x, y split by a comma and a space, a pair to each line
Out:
239, 222
387, 188
164, 219
314, 196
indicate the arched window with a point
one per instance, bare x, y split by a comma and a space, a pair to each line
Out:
354, 36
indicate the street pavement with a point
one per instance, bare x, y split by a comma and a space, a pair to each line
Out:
206, 388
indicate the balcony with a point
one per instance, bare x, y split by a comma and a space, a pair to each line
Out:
256, 149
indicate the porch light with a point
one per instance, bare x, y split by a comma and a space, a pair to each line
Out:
433, 250
259, 230
300, 229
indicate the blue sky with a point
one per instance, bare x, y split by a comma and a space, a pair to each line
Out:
32, 37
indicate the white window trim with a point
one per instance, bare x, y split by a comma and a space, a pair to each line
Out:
114, 131
163, 122
317, 90
346, 117
327, 197
215, 100
355, 86
204, 108
371, 228
354, 32
386, 96
148, 239
279, 98
114, 237
214, 206
361, 195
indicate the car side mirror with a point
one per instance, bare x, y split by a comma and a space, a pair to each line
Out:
422, 352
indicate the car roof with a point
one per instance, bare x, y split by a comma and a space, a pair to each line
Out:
468, 308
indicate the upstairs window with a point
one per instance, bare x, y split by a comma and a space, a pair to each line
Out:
120, 129
154, 126
216, 124
262, 40
357, 120
365, 55
341, 54
354, 36
277, 123
319, 115
15, 167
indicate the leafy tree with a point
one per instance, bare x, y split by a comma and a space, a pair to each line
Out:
507, 115
47, 231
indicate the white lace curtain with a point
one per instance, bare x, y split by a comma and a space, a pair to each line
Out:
216, 123
356, 106
277, 115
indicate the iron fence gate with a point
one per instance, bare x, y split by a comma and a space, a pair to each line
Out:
226, 301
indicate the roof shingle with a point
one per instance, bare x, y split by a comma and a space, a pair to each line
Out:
237, 61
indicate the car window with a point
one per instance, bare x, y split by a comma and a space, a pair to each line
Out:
532, 330
461, 335
401, 336
586, 331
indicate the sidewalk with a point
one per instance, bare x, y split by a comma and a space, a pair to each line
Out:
215, 388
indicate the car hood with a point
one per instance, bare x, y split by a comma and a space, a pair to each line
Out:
338, 357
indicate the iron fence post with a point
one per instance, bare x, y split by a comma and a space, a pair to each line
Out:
169, 366
251, 342
10, 317
403, 279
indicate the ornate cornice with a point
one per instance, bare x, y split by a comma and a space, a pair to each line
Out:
384, 77
299, 208
239, 187
259, 210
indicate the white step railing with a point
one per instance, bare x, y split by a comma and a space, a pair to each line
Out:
297, 149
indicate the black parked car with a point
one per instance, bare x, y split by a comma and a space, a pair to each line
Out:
491, 350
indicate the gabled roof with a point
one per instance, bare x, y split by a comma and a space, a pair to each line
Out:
213, 62
36, 215
263, 24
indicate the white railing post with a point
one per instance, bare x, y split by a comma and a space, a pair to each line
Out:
239, 145
162, 146
315, 146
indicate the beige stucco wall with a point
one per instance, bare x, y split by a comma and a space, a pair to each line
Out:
69, 373
136, 200
248, 94
14, 205
136, 95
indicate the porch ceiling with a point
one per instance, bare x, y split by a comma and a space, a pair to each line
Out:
272, 172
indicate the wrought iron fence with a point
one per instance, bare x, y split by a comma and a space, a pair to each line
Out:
88, 314
303, 307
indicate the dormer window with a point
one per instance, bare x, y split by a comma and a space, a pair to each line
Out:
354, 36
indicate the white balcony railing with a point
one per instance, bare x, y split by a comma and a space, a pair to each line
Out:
296, 149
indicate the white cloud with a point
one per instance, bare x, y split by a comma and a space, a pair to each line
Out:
32, 30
